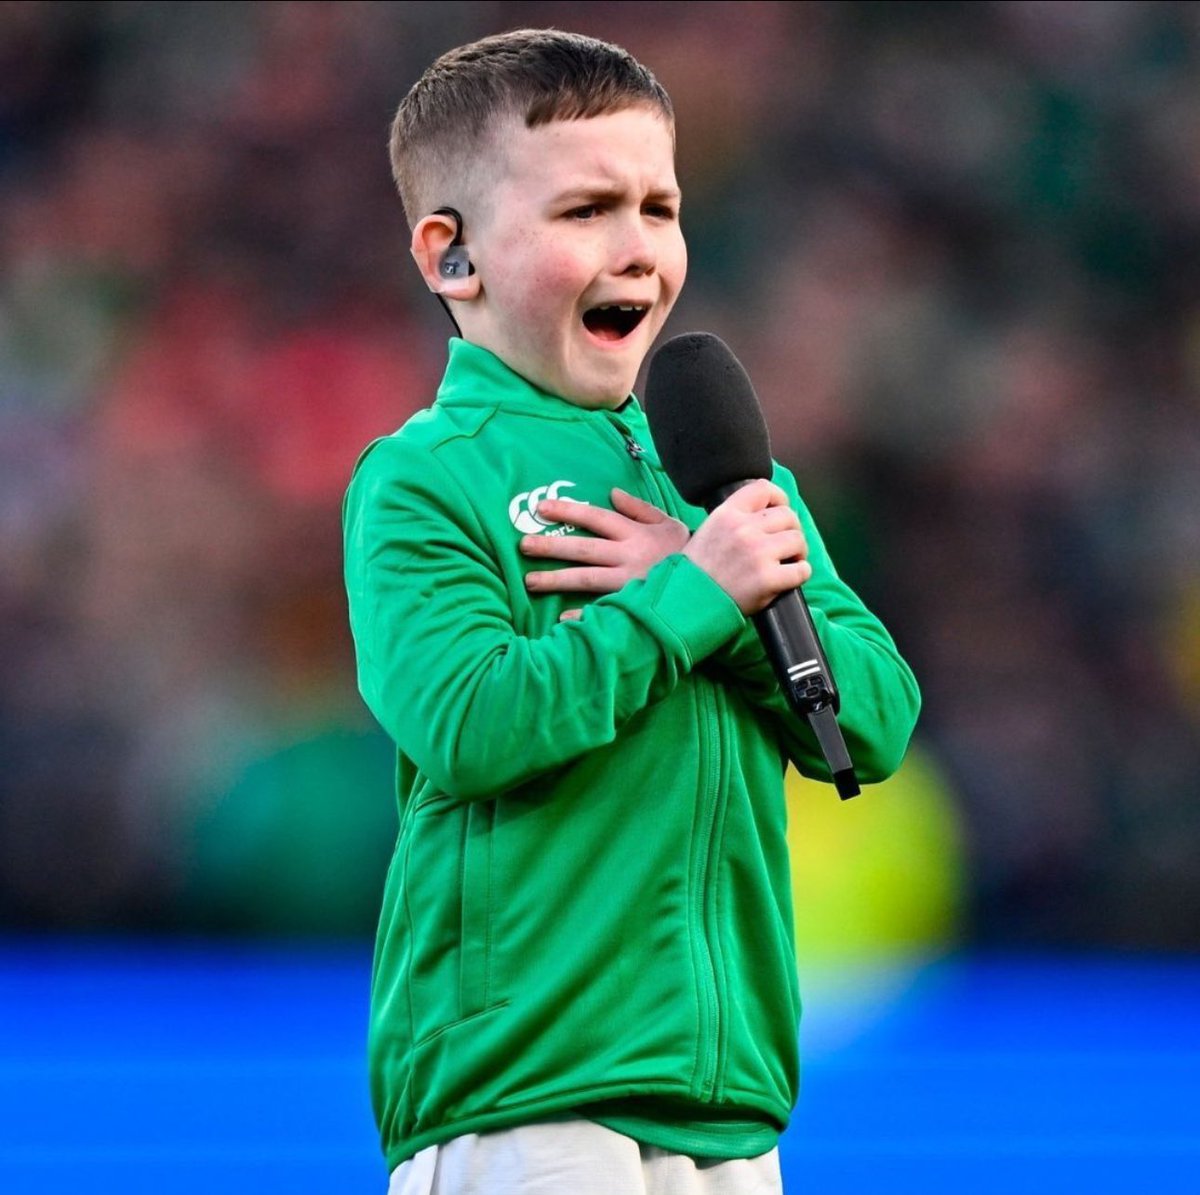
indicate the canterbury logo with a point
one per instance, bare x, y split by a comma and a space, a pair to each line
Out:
522, 510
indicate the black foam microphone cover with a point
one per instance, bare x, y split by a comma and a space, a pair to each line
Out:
712, 439
704, 417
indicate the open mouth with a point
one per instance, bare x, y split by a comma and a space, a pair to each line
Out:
613, 321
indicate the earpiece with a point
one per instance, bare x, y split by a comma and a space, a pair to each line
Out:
456, 261
454, 266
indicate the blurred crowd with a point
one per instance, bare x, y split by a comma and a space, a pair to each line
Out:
957, 246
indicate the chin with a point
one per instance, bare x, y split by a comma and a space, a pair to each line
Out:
607, 395
597, 399
599, 388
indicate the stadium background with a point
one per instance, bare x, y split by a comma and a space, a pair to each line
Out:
958, 248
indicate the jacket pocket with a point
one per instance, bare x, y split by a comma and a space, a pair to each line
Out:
475, 961
448, 889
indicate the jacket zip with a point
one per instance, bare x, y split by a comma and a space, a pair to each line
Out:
708, 1051
707, 1047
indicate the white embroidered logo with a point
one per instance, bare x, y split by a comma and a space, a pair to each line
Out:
522, 510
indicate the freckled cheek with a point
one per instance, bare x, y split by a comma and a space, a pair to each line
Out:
673, 265
537, 322
552, 286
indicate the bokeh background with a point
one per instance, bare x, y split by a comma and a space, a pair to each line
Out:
958, 248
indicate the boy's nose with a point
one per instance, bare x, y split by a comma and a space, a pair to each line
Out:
635, 251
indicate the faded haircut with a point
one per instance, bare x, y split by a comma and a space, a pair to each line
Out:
536, 75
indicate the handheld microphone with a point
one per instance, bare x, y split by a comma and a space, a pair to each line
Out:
712, 440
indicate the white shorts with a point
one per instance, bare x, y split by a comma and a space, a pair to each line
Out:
575, 1157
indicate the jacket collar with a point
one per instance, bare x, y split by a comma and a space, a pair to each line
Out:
476, 377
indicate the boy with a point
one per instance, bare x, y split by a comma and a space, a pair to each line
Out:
584, 975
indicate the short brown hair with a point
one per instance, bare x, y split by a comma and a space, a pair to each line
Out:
537, 75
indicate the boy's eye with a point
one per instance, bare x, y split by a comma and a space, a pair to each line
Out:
587, 212
660, 211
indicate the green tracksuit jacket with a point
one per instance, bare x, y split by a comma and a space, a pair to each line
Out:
588, 910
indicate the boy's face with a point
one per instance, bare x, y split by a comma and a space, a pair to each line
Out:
582, 220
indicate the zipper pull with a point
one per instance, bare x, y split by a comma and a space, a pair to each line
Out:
635, 450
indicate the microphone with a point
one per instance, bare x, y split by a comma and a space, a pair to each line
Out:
712, 440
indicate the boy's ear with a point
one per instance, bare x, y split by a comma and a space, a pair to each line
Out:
431, 239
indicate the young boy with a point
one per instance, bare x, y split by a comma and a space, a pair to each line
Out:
584, 975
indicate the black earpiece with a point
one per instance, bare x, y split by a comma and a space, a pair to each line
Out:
456, 261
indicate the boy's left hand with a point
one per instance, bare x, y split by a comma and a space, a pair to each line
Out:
628, 541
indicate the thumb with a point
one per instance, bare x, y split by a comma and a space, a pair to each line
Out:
758, 495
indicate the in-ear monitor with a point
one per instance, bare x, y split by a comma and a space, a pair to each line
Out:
455, 261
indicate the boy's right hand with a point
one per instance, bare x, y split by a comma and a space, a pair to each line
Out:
752, 546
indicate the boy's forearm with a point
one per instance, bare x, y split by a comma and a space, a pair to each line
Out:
478, 707
501, 708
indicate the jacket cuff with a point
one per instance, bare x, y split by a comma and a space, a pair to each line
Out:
692, 606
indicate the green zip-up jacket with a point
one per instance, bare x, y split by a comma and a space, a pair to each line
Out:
588, 911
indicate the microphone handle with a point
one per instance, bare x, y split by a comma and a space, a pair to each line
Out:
786, 629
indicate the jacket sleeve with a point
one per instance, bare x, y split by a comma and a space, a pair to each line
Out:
879, 695
476, 706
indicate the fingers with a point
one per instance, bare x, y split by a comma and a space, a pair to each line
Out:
787, 545
637, 508
599, 520
801, 570
624, 543
753, 546
777, 522
780, 518
580, 549
576, 580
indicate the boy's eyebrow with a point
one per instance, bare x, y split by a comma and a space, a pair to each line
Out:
609, 191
